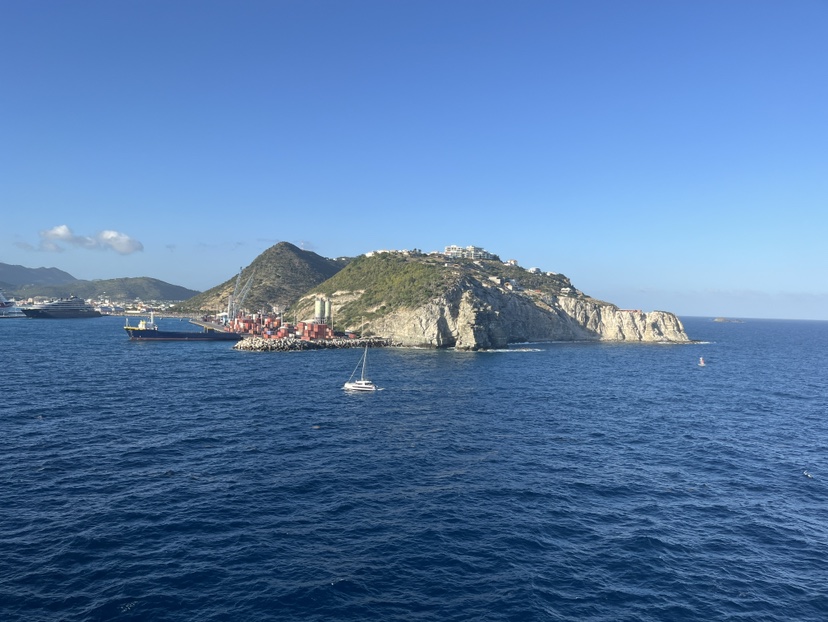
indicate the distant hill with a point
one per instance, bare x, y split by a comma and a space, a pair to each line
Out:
141, 288
280, 276
13, 276
21, 282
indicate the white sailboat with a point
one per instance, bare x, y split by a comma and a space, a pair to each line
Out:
363, 384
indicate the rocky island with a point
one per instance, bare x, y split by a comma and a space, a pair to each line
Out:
464, 298
418, 300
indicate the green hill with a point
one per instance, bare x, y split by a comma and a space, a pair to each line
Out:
280, 275
372, 287
14, 276
142, 288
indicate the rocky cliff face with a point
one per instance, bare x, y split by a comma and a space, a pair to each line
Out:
474, 315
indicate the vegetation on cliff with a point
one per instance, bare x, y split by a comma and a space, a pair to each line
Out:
370, 287
373, 287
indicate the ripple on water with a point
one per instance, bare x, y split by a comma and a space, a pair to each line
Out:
572, 482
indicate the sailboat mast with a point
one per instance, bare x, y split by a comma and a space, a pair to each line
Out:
364, 360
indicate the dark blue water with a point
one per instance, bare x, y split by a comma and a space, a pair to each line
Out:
189, 481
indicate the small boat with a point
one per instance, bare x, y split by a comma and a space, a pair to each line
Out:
148, 331
701, 361
363, 384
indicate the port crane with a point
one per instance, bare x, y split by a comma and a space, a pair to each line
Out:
236, 300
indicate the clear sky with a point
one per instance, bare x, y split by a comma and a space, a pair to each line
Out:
662, 154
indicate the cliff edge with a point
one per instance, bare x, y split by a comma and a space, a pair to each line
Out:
427, 302
475, 316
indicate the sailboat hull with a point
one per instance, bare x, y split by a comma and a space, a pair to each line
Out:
360, 385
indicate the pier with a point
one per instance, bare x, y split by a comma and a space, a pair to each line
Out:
210, 325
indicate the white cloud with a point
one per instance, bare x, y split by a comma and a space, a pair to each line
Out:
54, 239
119, 242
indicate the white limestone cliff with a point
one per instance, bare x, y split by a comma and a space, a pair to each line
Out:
474, 315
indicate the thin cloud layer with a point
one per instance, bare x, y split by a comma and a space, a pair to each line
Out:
57, 238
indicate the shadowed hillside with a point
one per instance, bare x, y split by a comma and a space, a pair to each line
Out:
15, 276
280, 275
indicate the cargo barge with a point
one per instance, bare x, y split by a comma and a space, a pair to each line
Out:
149, 331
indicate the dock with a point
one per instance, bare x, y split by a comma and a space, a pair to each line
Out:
209, 325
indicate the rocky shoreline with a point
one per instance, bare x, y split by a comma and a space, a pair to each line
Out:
258, 344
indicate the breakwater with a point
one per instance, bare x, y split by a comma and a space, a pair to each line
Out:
259, 344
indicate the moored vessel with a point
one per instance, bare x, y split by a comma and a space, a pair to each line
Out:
63, 308
9, 308
149, 331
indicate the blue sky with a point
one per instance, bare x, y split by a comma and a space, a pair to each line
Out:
663, 155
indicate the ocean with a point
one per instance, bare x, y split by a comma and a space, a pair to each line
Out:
560, 481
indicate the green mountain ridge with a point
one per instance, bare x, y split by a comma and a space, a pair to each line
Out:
22, 282
133, 288
278, 277
14, 276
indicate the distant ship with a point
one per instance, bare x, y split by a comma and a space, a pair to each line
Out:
72, 307
9, 308
148, 331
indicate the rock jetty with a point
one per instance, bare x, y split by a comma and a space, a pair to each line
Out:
259, 344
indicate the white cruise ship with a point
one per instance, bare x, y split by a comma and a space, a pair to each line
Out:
64, 308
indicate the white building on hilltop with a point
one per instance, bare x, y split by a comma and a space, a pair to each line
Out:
469, 252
